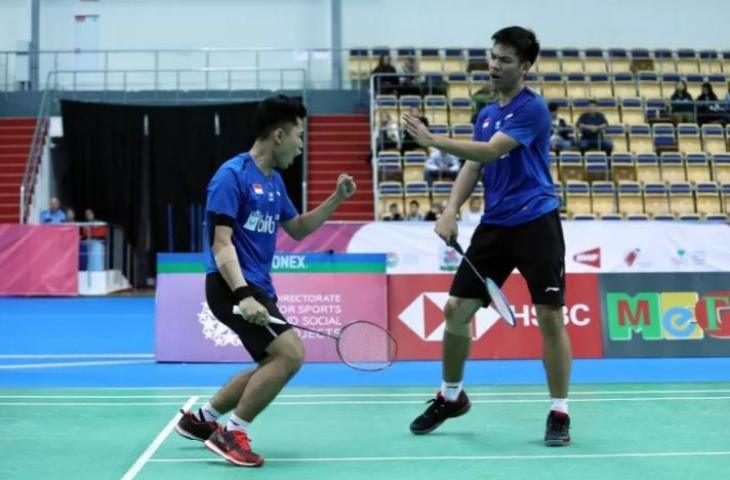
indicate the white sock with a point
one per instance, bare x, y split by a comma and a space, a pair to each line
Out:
207, 413
451, 390
559, 405
237, 423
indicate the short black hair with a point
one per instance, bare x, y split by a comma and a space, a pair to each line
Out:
522, 40
414, 202
276, 112
592, 101
553, 106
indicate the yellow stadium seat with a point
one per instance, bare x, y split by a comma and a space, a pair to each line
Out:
430, 60
548, 61
688, 137
623, 166
713, 139
603, 197
388, 193
629, 198
458, 85
618, 60
647, 168
687, 61
632, 111
454, 60
553, 86
575, 85
640, 140
721, 164
698, 167
577, 197
710, 62
617, 134
672, 167
413, 165
460, 111
624, 85
571, 61
656, 200
419, 192
681, 199
435, 109
649, 86
594, 62
571, 166
708, 198
440, 191
664, 61
599, 86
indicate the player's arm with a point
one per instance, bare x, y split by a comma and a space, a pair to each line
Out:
226, 260
304, 224
481, 152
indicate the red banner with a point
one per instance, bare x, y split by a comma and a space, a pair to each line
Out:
415, 313
39, 260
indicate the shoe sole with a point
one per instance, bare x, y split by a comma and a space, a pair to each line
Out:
213, 448
557, 443
184, 433
457, 414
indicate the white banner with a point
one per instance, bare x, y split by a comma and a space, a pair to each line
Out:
591, 247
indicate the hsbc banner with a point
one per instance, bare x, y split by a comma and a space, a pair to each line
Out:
592, 247
415, 312
666, 315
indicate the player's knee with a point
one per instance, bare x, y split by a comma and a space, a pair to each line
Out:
290, 355
550, 319
455, 323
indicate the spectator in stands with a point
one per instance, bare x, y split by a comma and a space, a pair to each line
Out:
387, 84
560, 134
440, 165
70, 215
708, 112
393, 213
410, 82
414, 215
408, 142
54, 214
89, 215
682, 106
387, 135
592, 124
727, 97
435, 212
473, 215
486, 95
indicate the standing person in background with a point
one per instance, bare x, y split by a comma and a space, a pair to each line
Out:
246, 203
54, 214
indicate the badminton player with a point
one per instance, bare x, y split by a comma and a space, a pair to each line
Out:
246, 203
520, 228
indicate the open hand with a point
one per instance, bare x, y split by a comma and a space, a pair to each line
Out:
419, 131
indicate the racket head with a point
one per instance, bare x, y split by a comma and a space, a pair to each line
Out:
366, 346
500, 302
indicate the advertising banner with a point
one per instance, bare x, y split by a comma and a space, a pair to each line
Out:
39, 260
666, 315
336, 290
417, 320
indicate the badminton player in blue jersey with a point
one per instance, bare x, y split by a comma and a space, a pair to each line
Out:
246, 203
520, 228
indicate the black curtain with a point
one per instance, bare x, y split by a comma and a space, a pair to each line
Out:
146, 169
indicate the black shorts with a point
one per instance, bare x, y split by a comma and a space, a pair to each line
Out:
255, 338
536, 249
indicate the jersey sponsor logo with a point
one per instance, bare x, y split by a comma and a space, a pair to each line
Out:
258, 189
261, 223
485, 125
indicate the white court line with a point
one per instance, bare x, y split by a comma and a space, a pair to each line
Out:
351, 395
27, 366
11, 356
370, 402
576, 456
152, 447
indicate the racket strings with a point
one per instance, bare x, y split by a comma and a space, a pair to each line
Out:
366, 346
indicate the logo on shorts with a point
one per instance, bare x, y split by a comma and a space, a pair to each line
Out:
214, 331
591, 257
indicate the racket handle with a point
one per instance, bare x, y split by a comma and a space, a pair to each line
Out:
237, 311
454, 243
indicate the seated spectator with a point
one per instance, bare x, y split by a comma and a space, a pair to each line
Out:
408, 142
682, 105
440, 166
560, 137
54, 214
70, 215
394, 214
89, 215
486, 95
727, 97
592, 124
387, 133
707, 111
410, 81
434, 212
387, 84
414, 215
473, 215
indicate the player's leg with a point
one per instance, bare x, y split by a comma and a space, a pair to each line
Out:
468, 293
541, 261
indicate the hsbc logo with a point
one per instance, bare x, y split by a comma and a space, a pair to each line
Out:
589, 257
425, 317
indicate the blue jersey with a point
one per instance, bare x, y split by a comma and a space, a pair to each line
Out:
257, 203
517, 186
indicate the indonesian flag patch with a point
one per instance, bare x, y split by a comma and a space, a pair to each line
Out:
258, 189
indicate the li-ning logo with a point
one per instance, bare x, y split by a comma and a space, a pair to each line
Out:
258, 222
